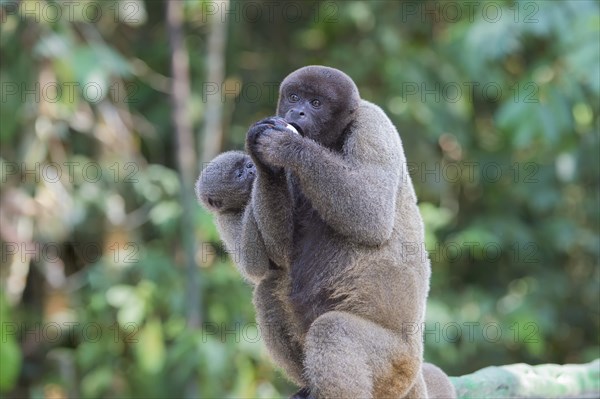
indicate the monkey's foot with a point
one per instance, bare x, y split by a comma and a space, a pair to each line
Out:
304, 393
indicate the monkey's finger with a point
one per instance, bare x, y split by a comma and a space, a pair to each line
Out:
267, 121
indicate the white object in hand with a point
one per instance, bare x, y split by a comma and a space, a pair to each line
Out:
292, 128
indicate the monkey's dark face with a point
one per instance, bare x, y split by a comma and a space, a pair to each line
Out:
319, 102
226, 183
241, 175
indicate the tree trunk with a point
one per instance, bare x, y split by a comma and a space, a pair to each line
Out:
215, 73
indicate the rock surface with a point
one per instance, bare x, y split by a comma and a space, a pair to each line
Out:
525, 381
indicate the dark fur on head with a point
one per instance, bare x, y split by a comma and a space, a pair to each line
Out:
226, 182
337, 94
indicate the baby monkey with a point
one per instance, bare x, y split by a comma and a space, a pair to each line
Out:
224, 188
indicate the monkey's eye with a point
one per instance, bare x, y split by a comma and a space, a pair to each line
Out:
249, 166
315, 103
294, 98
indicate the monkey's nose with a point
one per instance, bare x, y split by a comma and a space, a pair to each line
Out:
295, 114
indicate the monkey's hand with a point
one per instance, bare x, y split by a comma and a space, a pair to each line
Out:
267, 142
274, 145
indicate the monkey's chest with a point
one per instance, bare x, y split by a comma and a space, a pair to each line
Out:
315, 262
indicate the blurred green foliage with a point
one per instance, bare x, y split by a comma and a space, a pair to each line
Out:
497, 106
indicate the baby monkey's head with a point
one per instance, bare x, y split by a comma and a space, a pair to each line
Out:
225, 183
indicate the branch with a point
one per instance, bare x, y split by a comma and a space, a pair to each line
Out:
215, 66
186, 155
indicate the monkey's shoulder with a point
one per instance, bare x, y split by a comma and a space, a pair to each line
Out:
369, 114
373, 137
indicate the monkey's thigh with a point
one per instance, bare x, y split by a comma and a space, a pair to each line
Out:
278, 330
348, 356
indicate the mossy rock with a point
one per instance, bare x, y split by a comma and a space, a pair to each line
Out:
525, 381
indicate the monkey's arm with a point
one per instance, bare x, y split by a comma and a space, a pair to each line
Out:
272, 207
244, 243
357, 200
271, 202
354, 192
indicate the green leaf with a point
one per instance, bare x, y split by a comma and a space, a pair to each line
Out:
129, 302
150, 349
97, 381
10, 355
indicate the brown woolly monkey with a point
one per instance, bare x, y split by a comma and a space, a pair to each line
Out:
336, 209
336, 246
224, 188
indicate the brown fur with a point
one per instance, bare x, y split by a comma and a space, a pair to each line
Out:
335, 214
274, 314
226, 182
224, 188
222, 192
438, 384
346, 189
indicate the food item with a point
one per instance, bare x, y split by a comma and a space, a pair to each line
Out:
292, 128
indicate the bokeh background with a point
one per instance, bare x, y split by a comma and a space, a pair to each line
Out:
114, 281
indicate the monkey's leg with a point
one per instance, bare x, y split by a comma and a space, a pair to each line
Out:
278, 331
347, 356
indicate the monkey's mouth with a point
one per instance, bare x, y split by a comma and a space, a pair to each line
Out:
297, 127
